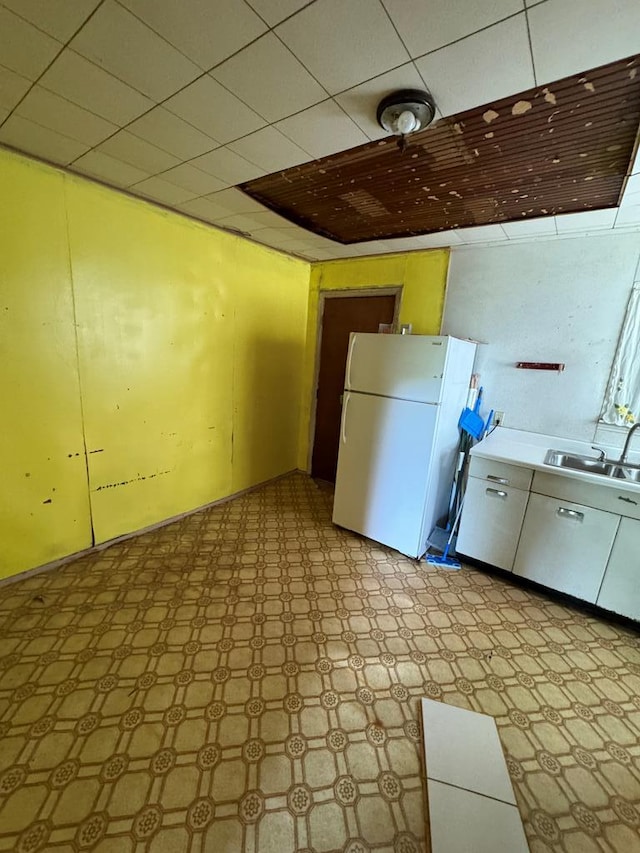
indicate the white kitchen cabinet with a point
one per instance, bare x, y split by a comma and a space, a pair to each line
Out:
620, 591
491, 522
565, 545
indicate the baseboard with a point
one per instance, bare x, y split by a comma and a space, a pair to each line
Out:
94, 549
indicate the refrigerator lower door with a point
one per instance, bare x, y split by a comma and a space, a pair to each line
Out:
383, 469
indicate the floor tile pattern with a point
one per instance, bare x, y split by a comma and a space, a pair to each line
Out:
247, 679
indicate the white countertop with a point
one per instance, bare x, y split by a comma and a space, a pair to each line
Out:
529, 449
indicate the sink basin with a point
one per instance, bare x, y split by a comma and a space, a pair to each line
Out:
624, 472
560, 459
604, 467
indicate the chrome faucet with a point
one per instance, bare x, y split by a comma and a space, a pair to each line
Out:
625, 449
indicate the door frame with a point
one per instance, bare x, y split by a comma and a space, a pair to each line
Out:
385, 290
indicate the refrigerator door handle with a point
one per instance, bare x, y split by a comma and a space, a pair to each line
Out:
344, 417
352, 346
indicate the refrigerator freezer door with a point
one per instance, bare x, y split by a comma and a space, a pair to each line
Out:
383, 469
408, 367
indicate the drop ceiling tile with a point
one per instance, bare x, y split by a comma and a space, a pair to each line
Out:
12, 87
445, 21
23, 48
481, 234
630, 198
206, 32
587, 221
172, 134
235, 201
241, 222
137, 152
462, 821
426, 241
34, 139
566, 42
631, 190
269, 79
228, 166
472, 72
80, 81
323, 254
162, 191
362, 101
121, 44
52, 111
627, 216
376, 247
529, 227
203, 208
273, 236
437, 241
273, 244
274, 11
59, 18
322, 130
210, 107
189, 178
343, 44
270, 150
472, 758
96, 164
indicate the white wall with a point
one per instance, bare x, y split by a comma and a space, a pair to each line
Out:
556, 300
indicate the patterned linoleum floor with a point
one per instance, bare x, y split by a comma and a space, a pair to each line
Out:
247, 679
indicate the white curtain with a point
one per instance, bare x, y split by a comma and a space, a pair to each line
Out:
622, 398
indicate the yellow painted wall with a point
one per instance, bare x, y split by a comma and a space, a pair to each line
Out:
423, 277
44, 503
190, 350
184, 358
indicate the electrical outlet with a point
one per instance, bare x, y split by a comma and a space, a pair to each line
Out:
498, 418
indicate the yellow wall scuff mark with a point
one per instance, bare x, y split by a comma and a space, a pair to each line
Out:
423, 277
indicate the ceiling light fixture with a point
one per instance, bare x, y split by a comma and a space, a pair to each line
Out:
405, 112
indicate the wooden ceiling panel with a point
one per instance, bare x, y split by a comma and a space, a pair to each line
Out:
560, 148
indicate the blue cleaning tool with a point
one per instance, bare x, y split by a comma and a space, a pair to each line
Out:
487, 425
445, 560
470, 420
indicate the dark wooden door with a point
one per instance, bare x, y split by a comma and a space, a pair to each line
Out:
342, 315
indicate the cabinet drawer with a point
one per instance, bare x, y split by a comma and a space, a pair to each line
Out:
565, 545
603, 497
620, 589
501, 473
491, 522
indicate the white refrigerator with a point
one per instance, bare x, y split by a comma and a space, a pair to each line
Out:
399, 435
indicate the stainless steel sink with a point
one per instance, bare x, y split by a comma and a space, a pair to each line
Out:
604, 467
560, 459
625, 472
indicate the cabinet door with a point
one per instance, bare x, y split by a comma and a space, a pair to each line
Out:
491, 522
620, 589
565, 546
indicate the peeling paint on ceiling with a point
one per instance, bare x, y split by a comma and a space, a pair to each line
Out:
561, 148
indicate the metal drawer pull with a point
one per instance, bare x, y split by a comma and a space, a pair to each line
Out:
627, 500
495, 479
573, 514
496, 492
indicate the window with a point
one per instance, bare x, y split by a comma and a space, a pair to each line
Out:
622, 398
